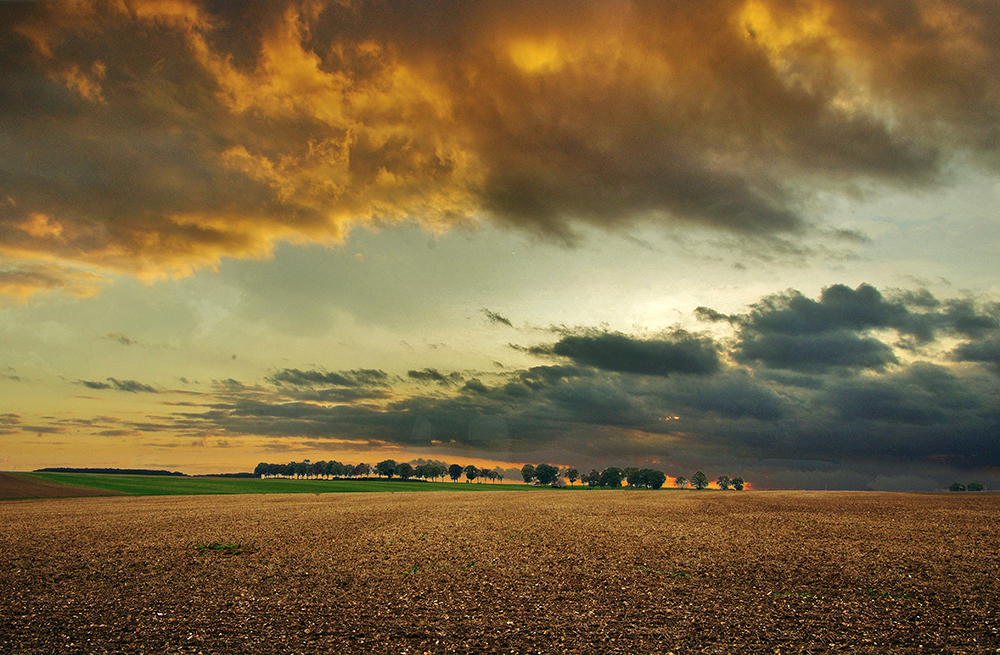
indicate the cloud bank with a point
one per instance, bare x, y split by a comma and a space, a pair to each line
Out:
906, 392
152, 138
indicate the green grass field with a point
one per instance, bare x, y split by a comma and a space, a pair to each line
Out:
162, 485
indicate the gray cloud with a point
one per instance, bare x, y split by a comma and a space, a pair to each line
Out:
130, 386
356, 378
986, 351
497, 319
434, 375
840, 329
815, 351
679, 353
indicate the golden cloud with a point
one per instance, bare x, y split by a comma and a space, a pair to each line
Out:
20, 283
158, 136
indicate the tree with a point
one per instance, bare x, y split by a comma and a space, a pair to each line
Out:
738, 484
724, 482
572, 475
956, 486
546, 474
436, 470
611, 477
386, 467
404, 470
975, 486
681, 482
592, 479
699, 480
362, 469
261, 470
631, 474
527, 472
651, 478
471, 473
455, 472
319, 468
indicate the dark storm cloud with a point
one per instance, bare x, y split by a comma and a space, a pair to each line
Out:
815, 351
971, 321
843, 327
157, 137
680, 353
986, 352
734, 396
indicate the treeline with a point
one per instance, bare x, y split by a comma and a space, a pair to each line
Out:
542, 474
973, 486
612, 477
387, 468
307, 469
64, 469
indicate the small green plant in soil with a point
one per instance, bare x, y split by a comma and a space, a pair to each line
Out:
224, 549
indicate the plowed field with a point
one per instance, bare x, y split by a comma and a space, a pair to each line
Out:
17, 485
548, 572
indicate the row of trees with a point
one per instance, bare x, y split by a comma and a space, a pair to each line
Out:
973, 486
542, 474
307, 469
700, 481
386, 468
612, 476
435, 470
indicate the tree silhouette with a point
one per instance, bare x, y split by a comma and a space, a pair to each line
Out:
404, 470
546, 474
386, 467
699, 480
611, 477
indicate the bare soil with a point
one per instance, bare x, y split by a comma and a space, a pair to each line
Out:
17, 485
562, 572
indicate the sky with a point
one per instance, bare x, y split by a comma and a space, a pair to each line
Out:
756, 238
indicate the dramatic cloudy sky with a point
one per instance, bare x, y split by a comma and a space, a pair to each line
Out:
751, 237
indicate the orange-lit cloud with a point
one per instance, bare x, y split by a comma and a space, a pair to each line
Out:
159, 136
22, 282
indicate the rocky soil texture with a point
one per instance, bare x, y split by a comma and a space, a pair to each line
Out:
537, 572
